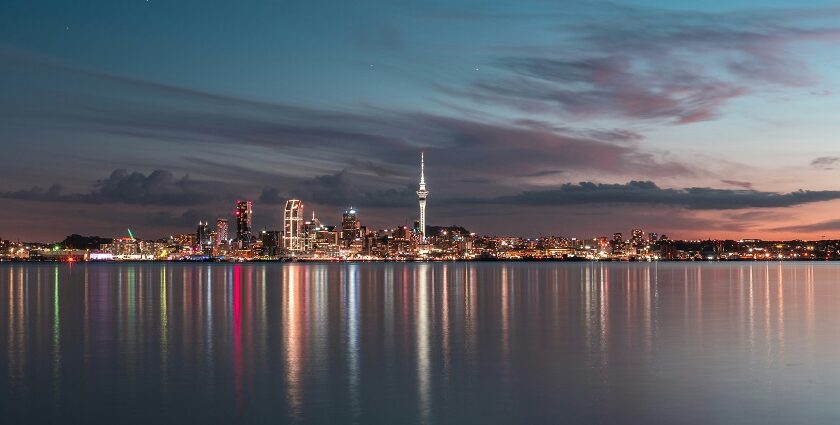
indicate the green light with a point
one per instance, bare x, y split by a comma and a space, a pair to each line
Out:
131, 235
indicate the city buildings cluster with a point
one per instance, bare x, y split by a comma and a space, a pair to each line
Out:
305, 237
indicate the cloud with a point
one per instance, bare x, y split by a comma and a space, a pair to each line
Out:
377, 169
341, 189
187, 219
272, 196
158, 188
543, 173
306, 140
823, 226
825, 162
476, 180
648, 193
653, 64
738, 183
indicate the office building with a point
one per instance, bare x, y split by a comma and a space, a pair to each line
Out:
294, 237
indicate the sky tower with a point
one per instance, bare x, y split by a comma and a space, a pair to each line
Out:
422, 193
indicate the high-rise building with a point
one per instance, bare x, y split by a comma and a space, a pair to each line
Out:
310, 228
293, 230
244, 210
271, 242
221, 231
321, 239
202, 235
617, 243
422, 193
351, 228
638, 237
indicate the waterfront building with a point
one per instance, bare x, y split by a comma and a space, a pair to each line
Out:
244, 212
351, 227
294, 237
221, 232
203, 237
272, 242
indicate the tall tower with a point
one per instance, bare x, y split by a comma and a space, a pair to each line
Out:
244, 209
293, 237
202, 235
422, 193
351, 227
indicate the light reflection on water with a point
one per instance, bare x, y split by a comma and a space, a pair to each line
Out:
420, 343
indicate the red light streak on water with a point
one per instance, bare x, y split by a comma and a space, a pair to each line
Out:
237, 339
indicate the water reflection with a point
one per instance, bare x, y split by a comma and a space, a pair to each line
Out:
420, 343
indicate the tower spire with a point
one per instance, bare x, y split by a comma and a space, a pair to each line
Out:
422, 193
422, 171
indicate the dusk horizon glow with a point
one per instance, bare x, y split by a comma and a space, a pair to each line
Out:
574, 118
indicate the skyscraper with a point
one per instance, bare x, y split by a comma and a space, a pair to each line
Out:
638, 236
422, 193
202, 235
244, 209
351, 228
221, 231
293, 236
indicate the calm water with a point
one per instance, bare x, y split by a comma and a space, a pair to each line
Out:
753, 343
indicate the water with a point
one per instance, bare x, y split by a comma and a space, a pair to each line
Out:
677, 343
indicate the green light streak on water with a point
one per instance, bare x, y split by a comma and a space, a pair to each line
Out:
56, 360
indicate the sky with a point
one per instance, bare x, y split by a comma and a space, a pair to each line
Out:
713, 119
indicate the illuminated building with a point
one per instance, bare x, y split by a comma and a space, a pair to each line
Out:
310, 231
244, 211
221, 231
293, 230
271, 242
351, 228
422, 193
183, 241
202, 236
321, 240
638, 236
617, 244
133, 249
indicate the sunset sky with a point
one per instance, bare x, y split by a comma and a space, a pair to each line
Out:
578, 118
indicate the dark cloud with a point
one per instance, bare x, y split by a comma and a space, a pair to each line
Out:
377, 169
389, 140
36, 193
825, 162
738, 183
543, 173
272, 196
648, 193
188, 219
823, 226
612, 90
341, 189
679, 67
123, 187
476, 180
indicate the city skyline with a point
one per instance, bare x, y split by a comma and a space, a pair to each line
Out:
710, 120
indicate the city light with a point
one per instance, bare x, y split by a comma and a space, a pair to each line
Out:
351, 240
